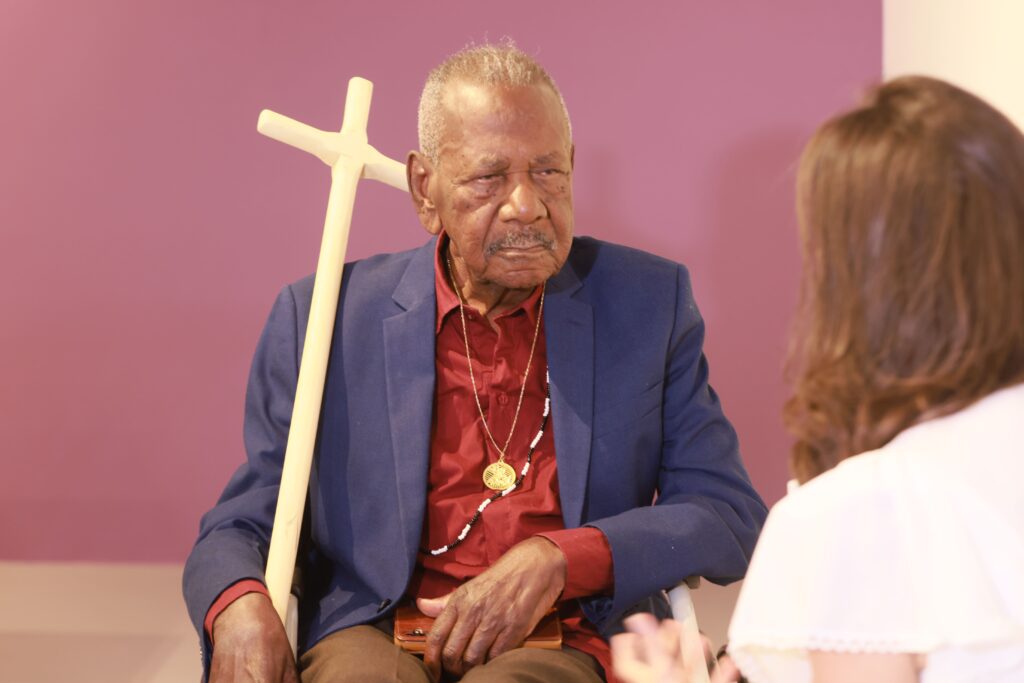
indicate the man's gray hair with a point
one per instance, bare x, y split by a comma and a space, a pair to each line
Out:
503, 64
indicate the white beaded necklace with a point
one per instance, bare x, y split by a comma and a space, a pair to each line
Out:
501, 494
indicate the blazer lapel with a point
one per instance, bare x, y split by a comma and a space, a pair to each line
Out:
569, 331
409, 343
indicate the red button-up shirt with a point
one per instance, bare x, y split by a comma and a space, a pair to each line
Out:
460, 450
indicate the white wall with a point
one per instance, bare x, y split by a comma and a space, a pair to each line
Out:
975, 44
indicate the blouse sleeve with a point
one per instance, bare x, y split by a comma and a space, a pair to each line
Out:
873, 556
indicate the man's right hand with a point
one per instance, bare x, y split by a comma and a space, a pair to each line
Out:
250, 644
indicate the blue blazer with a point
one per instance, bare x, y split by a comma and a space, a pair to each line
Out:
634, 420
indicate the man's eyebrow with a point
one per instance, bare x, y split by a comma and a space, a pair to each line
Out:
549, 158
490, 163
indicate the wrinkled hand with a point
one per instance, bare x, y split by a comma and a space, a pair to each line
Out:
250, 644
660, 653
494, 612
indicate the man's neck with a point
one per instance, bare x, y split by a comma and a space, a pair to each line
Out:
492, 301
488, 299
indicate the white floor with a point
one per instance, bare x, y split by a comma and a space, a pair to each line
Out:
126, 623
94, 622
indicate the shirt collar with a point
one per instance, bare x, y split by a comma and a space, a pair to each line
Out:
448, 301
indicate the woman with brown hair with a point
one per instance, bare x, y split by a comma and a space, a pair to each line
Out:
906, 562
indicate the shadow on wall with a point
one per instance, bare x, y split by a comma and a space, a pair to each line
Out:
598, 197
751, 273
745, 265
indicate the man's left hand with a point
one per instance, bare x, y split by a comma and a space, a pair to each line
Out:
494, 612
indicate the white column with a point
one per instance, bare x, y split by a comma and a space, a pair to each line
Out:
975, 44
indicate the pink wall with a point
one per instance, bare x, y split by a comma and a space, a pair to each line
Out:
146, 226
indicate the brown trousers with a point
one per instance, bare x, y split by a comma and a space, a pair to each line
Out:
366, 654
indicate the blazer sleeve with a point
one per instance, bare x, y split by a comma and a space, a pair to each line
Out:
235, 535
707, 515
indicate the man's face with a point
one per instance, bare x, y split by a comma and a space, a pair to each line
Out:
502, 185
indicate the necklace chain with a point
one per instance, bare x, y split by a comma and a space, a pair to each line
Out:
469, 361
514, 485
504, 492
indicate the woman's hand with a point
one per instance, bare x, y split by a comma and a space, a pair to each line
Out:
662, 653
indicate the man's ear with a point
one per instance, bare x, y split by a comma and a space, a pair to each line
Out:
419, 173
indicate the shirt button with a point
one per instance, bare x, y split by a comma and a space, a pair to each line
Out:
503, 399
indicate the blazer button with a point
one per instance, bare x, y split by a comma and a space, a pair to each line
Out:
383, 605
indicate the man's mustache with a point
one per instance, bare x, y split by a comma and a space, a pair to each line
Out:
520, 239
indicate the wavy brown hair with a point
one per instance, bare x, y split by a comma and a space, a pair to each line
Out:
911, 212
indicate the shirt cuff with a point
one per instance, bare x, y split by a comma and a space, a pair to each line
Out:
228, 596
588, 561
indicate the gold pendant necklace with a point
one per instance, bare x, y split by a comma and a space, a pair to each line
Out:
498, 476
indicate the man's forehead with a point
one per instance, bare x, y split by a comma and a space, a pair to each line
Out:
459, 96
517, 111
464, 101
468, 95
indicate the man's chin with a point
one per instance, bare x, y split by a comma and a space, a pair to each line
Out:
523, 280
524, 269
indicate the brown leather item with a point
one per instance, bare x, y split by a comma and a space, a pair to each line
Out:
412, 627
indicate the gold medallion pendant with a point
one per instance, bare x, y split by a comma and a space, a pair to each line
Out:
498, 476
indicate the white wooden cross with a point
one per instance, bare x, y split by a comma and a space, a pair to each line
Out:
350, 157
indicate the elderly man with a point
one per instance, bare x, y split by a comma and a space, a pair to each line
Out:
502, 408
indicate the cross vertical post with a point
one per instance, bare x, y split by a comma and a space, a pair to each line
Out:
350, 157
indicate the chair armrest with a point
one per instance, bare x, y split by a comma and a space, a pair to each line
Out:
682, 611
291, 624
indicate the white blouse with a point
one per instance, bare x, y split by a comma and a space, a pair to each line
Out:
916, 547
